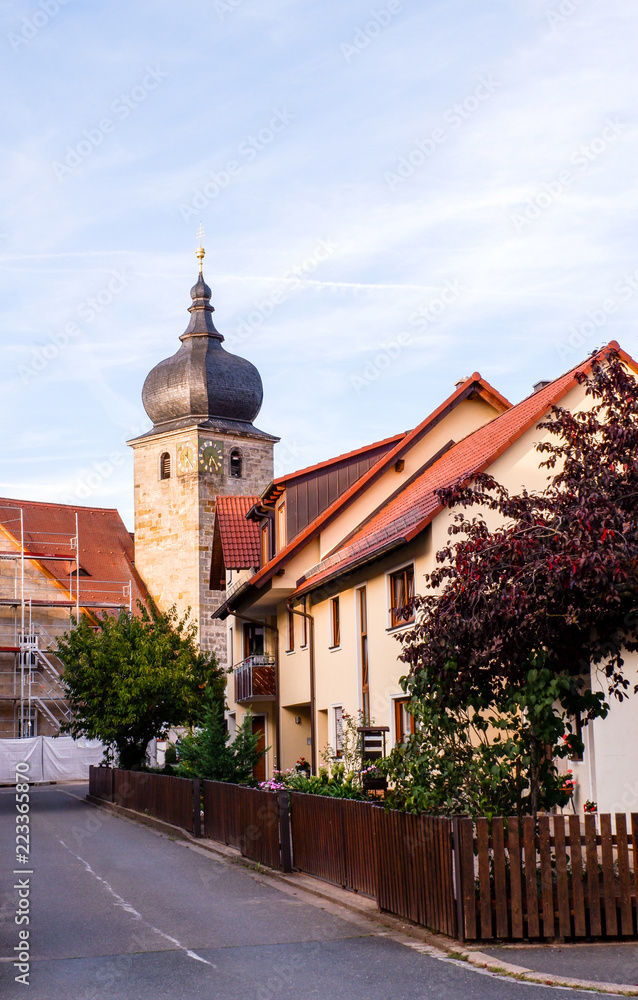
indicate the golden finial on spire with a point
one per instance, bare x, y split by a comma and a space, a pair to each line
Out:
200, 252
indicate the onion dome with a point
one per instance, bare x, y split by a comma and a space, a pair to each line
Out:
202, 381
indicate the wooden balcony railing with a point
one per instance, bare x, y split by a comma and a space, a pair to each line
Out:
255, 679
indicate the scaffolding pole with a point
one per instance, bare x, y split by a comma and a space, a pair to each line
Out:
21, 654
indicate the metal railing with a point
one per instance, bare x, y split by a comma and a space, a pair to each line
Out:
255, 678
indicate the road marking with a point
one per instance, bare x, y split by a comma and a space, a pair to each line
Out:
134, 913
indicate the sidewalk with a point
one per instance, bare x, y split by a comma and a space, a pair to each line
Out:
600, 968
604, 962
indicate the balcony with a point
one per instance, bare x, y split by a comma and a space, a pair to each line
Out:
255, 679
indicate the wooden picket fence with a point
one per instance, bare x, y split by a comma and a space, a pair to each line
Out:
415, 869
403, 861
248, 819
101, 782
558, 878
164, 797
335, 839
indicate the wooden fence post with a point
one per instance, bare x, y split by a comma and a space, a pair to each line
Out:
284, 832
112, 784
197, 817
458, 879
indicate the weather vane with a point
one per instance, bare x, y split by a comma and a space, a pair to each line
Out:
200, 252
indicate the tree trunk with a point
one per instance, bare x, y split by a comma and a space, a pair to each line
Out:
533, 776
132, 756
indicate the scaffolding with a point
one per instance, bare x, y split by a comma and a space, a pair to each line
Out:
24, 601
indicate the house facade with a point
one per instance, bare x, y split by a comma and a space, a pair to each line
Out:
57, 563
332, 577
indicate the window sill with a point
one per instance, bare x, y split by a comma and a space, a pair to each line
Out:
401, 627
333, 649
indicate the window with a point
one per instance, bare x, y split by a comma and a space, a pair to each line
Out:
403, 720
281, 526
304, 624
401, 592
363, 654
231, 651
254, 644
165, 466
265, 547
235, 463
231, 725
290, 648
577, 730
335, 625
338, 724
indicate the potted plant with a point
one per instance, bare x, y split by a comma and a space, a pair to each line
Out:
303, 766
373, 780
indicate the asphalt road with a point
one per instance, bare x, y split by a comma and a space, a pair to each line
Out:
119, 912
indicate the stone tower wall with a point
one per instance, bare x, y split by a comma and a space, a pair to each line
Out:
174, 521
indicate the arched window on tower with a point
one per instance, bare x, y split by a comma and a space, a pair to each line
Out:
235, 463
165, 466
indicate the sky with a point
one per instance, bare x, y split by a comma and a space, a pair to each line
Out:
394, 195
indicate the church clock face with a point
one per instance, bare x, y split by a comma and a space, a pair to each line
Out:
186, 457
210, 456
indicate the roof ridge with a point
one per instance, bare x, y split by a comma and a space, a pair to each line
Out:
55, 503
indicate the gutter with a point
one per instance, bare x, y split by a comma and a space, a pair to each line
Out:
311, 656
224, 610
339, 569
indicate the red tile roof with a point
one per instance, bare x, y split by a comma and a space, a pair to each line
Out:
472, 385
239, 538
105, 548
413, 509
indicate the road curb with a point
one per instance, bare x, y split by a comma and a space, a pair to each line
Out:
366, 907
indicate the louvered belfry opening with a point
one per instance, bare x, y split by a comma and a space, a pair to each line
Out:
235, 463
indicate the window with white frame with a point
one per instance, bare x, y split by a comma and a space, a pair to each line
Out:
335, 623
338, 726
304, 623
401, 593
281, 527
232, 725
290, 630
403, 720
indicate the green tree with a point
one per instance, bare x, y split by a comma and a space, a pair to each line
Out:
133, 677
209, 753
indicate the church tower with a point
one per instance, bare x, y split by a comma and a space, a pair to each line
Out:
203, 444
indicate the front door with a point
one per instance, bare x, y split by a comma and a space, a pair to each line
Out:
259, 729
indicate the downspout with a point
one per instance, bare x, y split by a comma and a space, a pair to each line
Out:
311, 653
273, 628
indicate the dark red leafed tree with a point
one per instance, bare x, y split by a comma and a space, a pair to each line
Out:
516, 615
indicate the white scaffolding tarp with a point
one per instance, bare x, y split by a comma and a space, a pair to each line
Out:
50, 758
